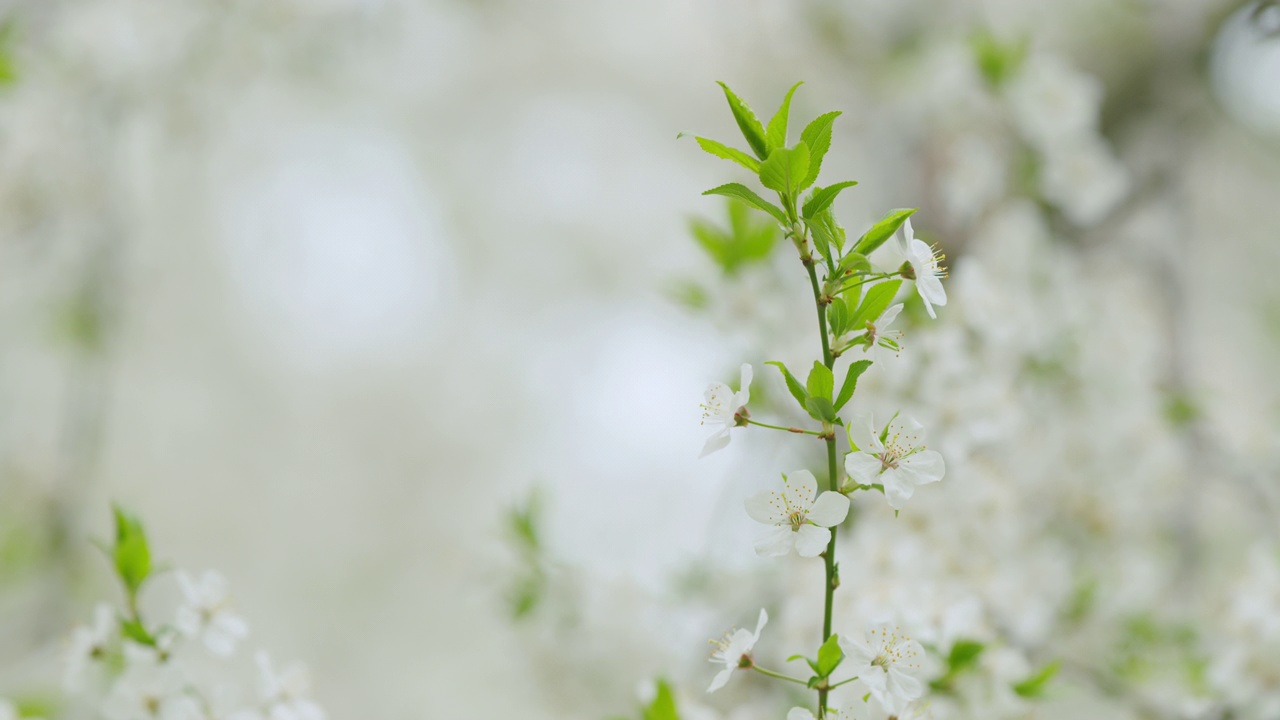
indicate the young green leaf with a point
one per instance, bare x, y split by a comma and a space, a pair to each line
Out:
820, 383
964, 653
797, 390
721, 150
851, 381
875, 302
744, 193
882, 231
663, 706
824, 226
750, 125
820, 408
131, 554
838, 318
823, 198
1034, 686
785, 169
776, 135
853, 261
748, 239
817, 135
829, 656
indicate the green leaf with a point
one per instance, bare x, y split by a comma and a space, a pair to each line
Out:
798, 656
135, 631
823, 198
663, 706
882, 231
797, 390
776, 135
785, 169
721, 150
829, 656
824, 226
851, 381
131, 554
998, 61
964, 653
1034, 686
820, 383
817, 135
745, 194
875, 302
853, 261
820, 408
748, 123
838, 318
748, 239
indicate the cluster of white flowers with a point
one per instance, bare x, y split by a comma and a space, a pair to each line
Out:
124, 672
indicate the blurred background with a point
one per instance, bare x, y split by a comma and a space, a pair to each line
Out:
398, 313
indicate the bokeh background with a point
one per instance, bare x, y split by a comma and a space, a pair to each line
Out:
391, 311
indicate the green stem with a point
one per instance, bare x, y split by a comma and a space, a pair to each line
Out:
778, 675
844, 682
786, 429
832, 473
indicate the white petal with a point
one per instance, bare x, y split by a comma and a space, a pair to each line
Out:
716, 442
930, 288
811, 540
188, 586
760, 623
831, 508
888, 316
858, 653
908, 234
897, 488
933, 315
744, 387
864, 468
924, 467
799, 713
720, 679
766, 507
213, 588
800, 489
740, 644
775, 542
903, 685
187, 620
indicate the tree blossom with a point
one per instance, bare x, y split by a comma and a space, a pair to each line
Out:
149, 688
207, 615
734, 651
799, 713
877, 334
287, 693
900, 462
888, 663
723, 408
87, 645
926, 267
799, 521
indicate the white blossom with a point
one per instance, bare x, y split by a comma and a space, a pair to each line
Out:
734, 651
888, 663
877, 333
1084, 179
797, 519
149, 688
900, 462
86, 646
287, 692
722, 408
207, 615
926, 266
1050, 100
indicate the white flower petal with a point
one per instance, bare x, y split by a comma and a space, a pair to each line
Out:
801, 487
888, 316
831, 508
858, 653
931, 289
766, 507
799, 713
760, 623
743, 395
924, 467
811, 540
716, 442
897, 488
720, 679
904, 685
864, 468
775, 542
